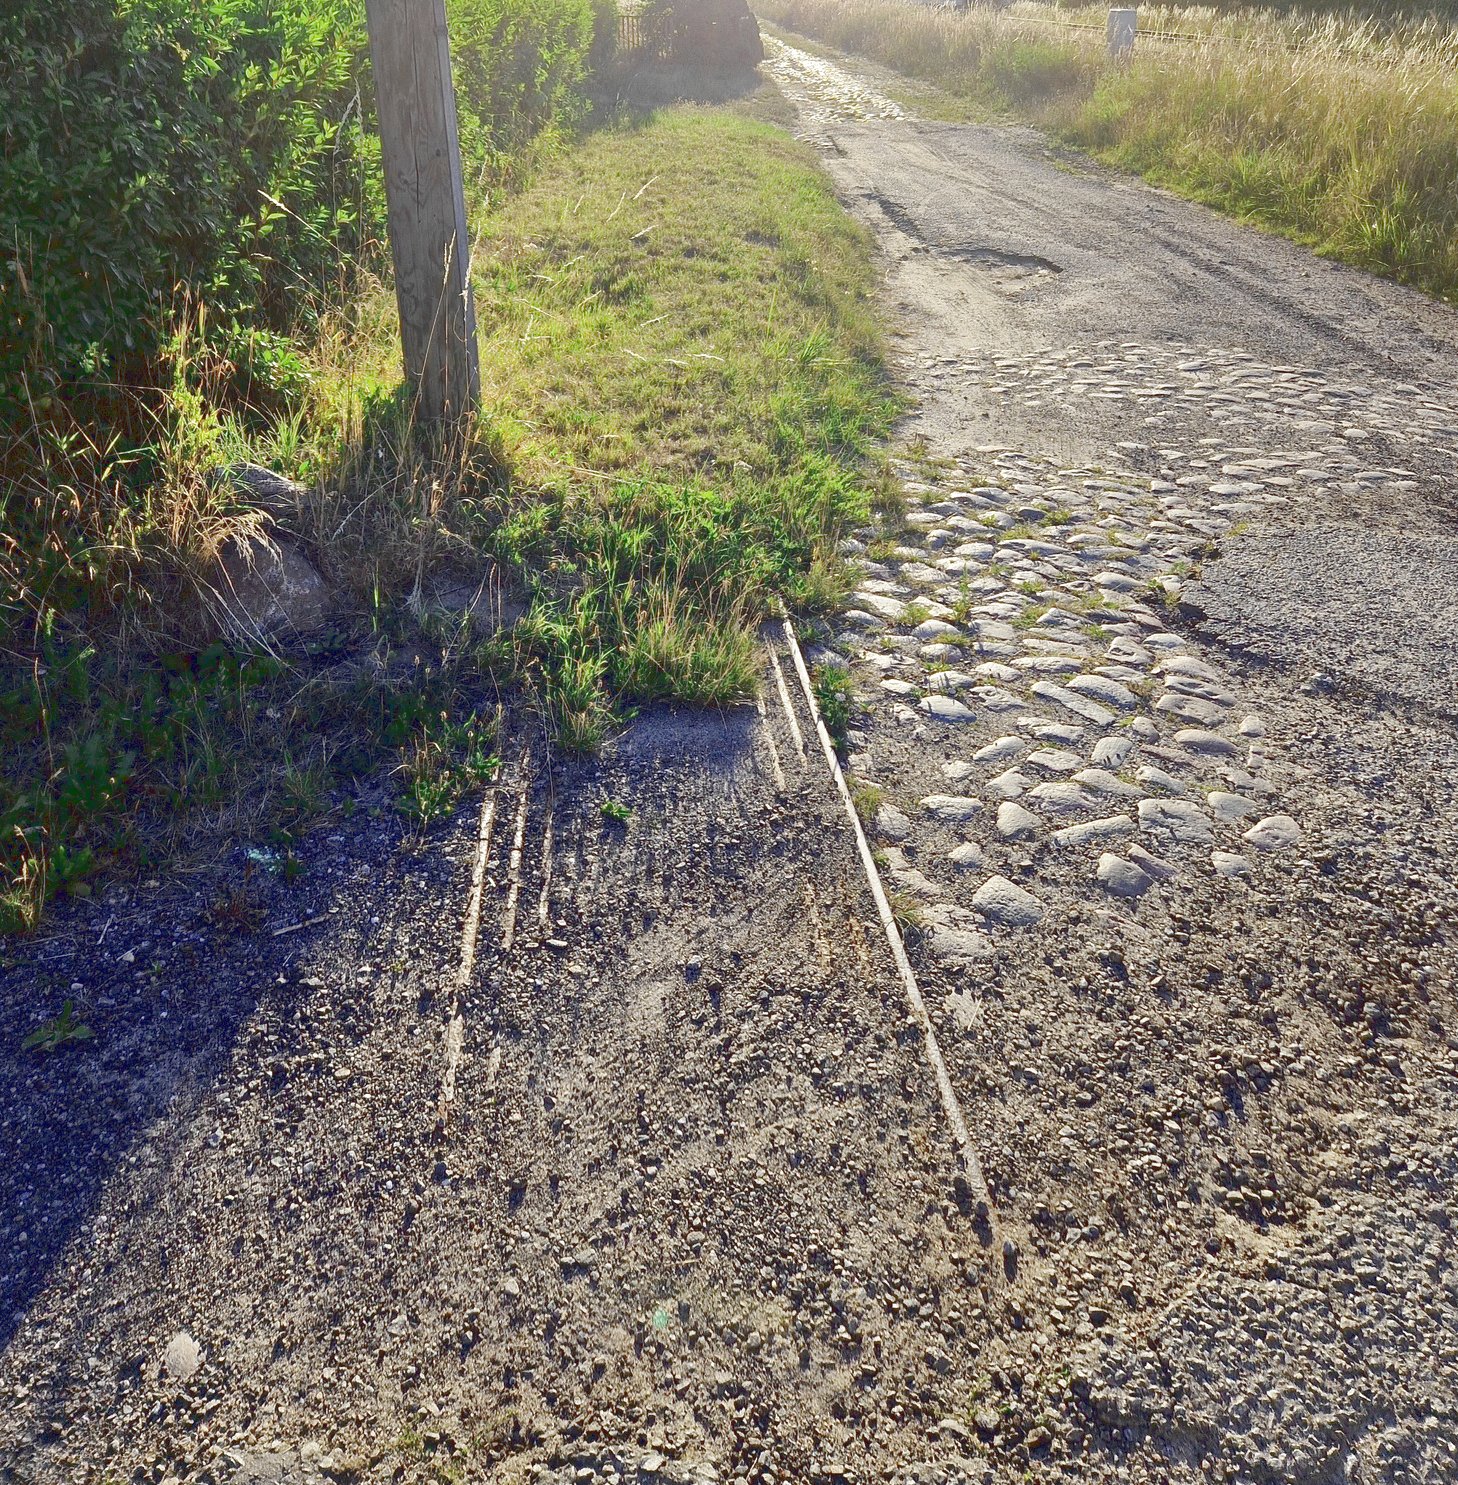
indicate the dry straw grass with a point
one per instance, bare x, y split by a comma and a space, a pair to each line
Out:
1341, 132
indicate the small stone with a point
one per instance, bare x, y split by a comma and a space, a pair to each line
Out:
1127, 652
1078, 835
952, 807
1252, 726
959, 945
1062, 798
995, 699
879, 605
1110, 752
968, 855
1189, 708
937, 630
1101, 688
945, 709
1054, 760
1103, 782
898, 687
1008, 785
1122, 878
1080, 706
1229, 807
1014, 822
1229, 864
1062, 733
262, 585
892, 823
1175, 817
993, 629
1156, 778
1118, 582
1199, 741
1158, 868
1000, 750
182, 1358
859, 620
1004, 902
1275, 833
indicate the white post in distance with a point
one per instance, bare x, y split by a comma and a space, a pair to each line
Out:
1121, 34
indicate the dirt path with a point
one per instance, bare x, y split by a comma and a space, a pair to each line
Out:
1159, 693
589, 1144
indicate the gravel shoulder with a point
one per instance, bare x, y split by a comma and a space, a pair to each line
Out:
1156, 723
689, 1212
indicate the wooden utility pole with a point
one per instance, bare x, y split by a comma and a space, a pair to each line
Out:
416, 101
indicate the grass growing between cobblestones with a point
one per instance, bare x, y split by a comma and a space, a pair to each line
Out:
1338, 133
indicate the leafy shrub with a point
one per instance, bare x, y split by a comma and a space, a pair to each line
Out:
221, 150
518, 65
185, 186
157, 145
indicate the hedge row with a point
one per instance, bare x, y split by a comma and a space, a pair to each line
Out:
219, 150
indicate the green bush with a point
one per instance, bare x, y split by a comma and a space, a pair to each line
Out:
518, 65
220, 151
155, 149
184, 186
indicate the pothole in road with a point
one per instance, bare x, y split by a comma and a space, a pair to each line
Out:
1008, 264
1022, 265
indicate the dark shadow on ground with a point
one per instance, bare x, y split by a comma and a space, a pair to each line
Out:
163, 977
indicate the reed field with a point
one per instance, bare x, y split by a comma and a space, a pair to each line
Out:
1337, 129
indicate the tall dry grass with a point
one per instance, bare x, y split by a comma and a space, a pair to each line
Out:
1339, 132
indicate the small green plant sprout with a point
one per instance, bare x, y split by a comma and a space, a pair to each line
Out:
52, 1035
615, 810
833, 697
867, 799
908, 913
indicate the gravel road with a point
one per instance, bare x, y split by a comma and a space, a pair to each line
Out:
1158, 695
592, 1139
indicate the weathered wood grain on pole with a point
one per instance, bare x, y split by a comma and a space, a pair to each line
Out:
410, 52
